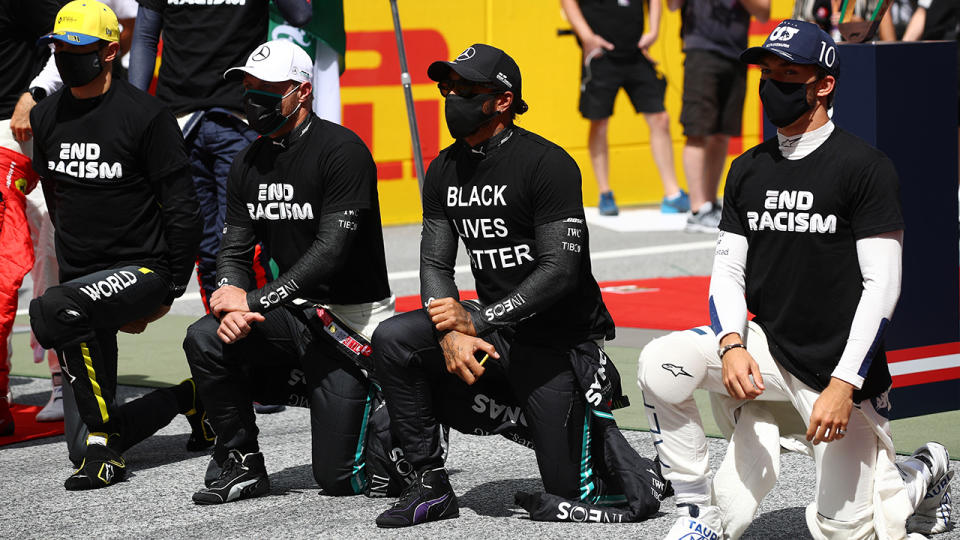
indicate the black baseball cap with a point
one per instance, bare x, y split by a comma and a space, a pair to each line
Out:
799, 42
482, 63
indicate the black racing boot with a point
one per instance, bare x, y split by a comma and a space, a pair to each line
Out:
242, 477
428, 498
101, 467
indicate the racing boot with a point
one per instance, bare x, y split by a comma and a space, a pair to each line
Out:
101, 467
241, 477
428, 498
932, 515
201, 432
696, 523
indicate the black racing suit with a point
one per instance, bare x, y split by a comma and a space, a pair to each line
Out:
310, 197
515, 201
114, 174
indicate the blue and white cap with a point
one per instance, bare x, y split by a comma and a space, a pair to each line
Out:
799, 42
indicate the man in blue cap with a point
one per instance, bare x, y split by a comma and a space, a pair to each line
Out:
811, 219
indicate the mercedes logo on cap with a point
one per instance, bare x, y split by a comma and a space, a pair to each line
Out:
466, 55
261, 54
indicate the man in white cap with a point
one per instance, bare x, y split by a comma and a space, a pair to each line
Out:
115, 177
307, 190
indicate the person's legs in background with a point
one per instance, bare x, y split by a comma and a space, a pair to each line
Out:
599, 84
675, 200
600, 159
44, 274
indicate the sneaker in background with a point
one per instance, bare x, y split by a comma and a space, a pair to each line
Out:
932, 515
53, 410
241, 477
607, 206
678, 204
101, 467
428, 498
696, 523
706, 220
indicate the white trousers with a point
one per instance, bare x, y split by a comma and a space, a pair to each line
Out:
849, 472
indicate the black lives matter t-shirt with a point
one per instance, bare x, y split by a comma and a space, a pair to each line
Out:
201, 40
101, 161
22, 23
280, 191
618, 21
802, 219
494, 201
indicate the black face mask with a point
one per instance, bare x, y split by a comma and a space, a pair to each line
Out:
78, 69
263, 110
783, 102
465, 115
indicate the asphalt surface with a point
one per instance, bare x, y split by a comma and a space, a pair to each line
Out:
485, 471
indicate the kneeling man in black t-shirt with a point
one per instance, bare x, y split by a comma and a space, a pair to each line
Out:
114, 175
525, 361
810, 243
307, 190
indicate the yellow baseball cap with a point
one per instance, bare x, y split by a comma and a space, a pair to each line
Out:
83, 22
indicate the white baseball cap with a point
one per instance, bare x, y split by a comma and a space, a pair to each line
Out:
276, 61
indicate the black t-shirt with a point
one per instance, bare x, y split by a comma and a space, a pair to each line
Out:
943, 17
280, 192
201, 40
494, 201
22, 23
618, 21
101, 161
713, 25
802, 219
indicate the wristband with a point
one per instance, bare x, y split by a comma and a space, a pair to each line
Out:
726, 348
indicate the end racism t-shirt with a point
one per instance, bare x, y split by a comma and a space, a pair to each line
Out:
101, 161
280, 190
802, 219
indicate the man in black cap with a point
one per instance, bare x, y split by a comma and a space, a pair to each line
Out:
810, 242
526, 360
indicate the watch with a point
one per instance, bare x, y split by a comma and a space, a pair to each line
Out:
726, 348
37, 93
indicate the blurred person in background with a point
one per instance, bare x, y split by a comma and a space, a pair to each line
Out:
714, 85
615, 55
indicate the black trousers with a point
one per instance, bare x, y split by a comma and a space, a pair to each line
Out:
529, 395
282, 362
79, 319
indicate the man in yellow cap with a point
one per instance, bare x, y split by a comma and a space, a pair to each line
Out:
115, 177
